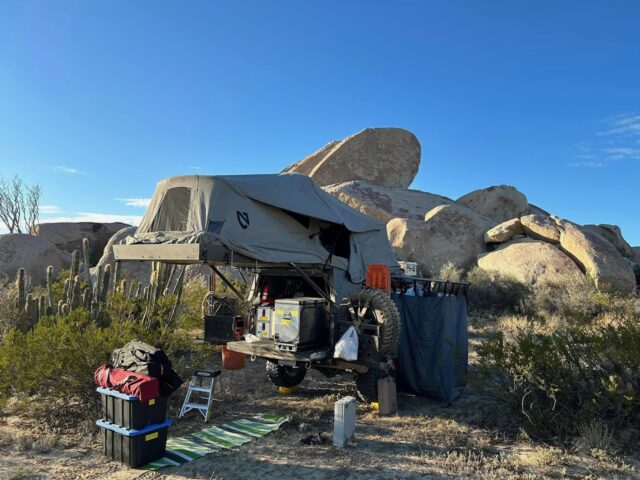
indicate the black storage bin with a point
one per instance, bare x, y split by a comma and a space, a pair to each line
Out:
134, 447
218, 329
129, 412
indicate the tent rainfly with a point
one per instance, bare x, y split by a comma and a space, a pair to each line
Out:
281, 219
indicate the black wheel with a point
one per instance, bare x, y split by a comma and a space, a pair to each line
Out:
374, 307
367, 385
283, 376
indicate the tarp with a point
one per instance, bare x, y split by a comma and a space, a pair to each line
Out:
271, 218
433, 345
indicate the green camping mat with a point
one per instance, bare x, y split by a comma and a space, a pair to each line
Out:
190, 447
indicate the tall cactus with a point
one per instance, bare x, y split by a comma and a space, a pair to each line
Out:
42, 307
116, 275
21, 290
51, 301
85, 255
75, 293
75, 263
138, 289
102, 296
98, 286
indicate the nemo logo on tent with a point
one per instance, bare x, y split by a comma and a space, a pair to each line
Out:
243, 219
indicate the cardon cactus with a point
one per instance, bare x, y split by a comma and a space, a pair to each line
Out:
50, 299
116, 275
102, 297
66, 290
75, 263
98, 286
138, 289
85, 255
60, 304
21, 293
75, 293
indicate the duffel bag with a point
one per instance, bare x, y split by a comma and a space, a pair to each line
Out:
137, 356
141, 386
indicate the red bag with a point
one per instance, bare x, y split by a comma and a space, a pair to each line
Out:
141, 386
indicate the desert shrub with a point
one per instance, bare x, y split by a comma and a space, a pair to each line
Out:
561, 377
491, 292
8, 308
450, 273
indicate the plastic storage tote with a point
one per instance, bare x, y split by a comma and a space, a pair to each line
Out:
129, 412
134, 447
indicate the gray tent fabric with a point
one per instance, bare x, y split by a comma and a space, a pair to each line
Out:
270, 218
433, 345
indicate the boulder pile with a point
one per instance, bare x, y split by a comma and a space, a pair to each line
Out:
494, 228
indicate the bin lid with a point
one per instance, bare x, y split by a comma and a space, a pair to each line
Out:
301, 301
133, 432
115, 393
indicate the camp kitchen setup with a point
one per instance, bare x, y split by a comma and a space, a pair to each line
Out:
325, 289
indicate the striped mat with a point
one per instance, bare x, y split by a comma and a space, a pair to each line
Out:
181, 450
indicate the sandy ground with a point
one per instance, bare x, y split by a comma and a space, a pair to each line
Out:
473, 438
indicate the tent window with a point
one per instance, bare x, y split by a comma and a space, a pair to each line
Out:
335, 238
173, 212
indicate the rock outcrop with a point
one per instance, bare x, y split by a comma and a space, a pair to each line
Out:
597, 256
389, 157
67, 236
308, 163
636, 254
384, 203
449, 234
500, 203
32, 253
541, 227
530, 262
504, 232
614, 235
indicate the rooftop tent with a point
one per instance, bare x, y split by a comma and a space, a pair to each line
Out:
271, 218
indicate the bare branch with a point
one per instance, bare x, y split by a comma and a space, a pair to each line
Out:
19, 205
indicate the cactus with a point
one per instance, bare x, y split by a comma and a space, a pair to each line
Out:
98, 286
138, 289
86, 298
102, 296
75, 293
145, 294
123, 286
60, 304
65, 309
85, 255
42, 307
65, 289
50, 298
21, 290
75, 263
116, 275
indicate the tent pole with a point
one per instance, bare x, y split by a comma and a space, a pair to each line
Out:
227, 282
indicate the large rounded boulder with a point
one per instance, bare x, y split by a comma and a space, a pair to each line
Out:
67, 236
449, 234
385, 203
32, 253
530, 262
598, 257
541, 227
499, 203
384, 156
614, 235
504, 231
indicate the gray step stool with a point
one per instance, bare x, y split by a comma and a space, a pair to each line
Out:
202, 387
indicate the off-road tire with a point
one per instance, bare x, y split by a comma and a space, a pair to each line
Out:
367, 385
284, 376
387, 316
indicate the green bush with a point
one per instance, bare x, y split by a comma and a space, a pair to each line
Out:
559, 378
490, 292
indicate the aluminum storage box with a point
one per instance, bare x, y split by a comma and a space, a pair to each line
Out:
129, 412
344, 421
300, 322
134, 447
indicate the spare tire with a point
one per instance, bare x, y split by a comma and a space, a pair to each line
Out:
283, 376
380, 310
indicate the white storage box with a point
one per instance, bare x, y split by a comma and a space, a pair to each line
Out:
410, 268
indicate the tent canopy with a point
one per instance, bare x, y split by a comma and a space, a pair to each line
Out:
271, 218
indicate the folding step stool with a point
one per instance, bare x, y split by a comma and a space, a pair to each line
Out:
203, 389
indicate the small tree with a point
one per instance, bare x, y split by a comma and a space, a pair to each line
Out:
19, 205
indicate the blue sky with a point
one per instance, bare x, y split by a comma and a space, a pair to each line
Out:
100, 100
